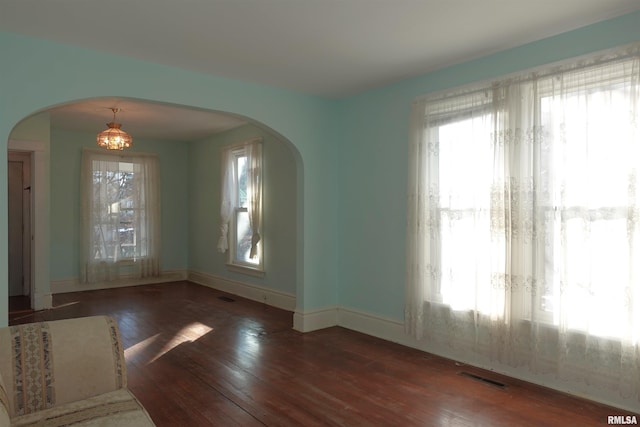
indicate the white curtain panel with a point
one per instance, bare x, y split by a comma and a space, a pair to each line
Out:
252, 149
120, 216
254, 193
524, 220
227, 198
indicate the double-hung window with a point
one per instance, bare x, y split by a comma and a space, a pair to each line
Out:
524, 217
120, 216
241, 206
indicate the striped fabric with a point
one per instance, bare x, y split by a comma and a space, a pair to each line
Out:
66, 372
31, 350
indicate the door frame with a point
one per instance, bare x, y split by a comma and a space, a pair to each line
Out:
25, 157
40, 284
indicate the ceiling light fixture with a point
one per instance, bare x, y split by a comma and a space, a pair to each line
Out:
114, 138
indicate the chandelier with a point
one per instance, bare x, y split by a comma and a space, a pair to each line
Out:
114, 138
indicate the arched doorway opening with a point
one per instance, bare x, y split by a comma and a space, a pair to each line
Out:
73, 125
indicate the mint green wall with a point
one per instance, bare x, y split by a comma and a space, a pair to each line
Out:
279, 211
38, 74
66, 150
373, 156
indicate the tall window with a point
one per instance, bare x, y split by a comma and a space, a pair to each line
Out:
241, 207
524, 220
120, 216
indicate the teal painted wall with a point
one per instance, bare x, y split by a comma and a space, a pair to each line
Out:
37, 74
66, 152
373, 154
279, 210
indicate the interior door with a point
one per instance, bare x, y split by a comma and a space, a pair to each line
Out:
19, 193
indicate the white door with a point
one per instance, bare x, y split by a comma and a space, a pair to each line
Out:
19, 189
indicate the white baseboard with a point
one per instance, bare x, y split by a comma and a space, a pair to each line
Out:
74, 285
381, 327
42, 301
257, 293
315, 319
374, 325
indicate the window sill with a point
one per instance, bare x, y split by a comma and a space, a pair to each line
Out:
245, 270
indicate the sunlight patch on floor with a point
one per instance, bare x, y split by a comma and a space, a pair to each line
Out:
189, 333
137, 349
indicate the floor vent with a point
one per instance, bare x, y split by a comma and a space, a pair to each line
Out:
483, 379
227, 299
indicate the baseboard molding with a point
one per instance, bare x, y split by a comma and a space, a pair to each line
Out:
74, 285
309, 321
360, 321
257, 293
42, 301
374, 325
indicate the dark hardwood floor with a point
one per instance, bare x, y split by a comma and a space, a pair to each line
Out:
199, 357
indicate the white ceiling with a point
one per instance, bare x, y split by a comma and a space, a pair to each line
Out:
143, 119
330, 48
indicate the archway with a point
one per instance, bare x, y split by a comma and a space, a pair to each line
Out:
48, 280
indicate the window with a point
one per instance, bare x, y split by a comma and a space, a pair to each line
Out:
575, 205
590, 209
524, 218
242, 233
120, 216
242, 205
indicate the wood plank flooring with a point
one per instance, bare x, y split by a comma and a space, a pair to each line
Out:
196, 358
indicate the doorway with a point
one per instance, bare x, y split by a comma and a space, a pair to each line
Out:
19, 219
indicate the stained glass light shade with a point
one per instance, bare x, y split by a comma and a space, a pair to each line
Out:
114, 138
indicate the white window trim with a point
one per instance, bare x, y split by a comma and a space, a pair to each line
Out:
257, 270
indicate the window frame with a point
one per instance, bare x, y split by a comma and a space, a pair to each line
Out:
233, 262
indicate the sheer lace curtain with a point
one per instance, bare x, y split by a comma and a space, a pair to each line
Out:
227, 197
524, 220
120, 216
254, 190
252, 150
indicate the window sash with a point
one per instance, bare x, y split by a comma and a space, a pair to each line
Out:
114, 184
240, 233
